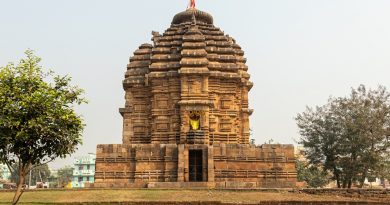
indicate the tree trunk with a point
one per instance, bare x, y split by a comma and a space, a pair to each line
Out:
338, 183
19, 189
344, 183
362, 179
337, 176
349, 183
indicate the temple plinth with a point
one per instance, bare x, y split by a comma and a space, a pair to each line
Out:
186, 116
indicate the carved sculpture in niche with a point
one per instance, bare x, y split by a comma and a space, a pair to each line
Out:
194, 120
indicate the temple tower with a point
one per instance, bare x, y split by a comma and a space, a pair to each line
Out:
186, 116
190, 86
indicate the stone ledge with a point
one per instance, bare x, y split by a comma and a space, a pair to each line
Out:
180, 185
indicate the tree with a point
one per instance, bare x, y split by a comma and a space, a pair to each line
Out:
320, 133
314, 177
39, 173
37, 119
349, 136
65, 175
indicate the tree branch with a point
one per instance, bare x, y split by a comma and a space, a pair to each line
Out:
40, 164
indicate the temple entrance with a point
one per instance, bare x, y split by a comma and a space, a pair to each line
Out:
195, 165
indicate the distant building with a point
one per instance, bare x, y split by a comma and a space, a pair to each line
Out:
376, 183
84, 170
4, 172
5, 175
53, 178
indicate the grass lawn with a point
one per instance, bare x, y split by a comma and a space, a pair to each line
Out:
123, 195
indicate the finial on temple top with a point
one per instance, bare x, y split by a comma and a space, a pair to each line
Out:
193, 19
192, 4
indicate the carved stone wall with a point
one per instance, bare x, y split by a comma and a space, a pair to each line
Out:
224, 165
136, 164
244, 166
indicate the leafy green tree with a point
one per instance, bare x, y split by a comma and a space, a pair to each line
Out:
320, 133
349, 136
313, 176
37, 119
65, 175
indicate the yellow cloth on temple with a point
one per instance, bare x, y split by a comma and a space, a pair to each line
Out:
194, 124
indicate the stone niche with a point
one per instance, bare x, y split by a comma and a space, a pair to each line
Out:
186, 117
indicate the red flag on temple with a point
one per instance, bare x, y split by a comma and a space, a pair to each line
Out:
192, 4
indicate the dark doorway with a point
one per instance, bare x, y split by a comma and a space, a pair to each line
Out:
195, 165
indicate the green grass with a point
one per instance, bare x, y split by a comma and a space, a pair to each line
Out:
126, 195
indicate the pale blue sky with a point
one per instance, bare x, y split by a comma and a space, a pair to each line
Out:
299, 51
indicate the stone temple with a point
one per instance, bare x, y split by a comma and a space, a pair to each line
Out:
186, 117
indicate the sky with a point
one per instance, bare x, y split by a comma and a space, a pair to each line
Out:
299, 52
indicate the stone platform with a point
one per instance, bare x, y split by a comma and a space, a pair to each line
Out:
222, 166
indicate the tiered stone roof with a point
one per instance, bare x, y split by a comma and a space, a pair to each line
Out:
191, 47
191, 31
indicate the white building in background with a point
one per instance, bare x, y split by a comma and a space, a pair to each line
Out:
84, 170
5, 175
